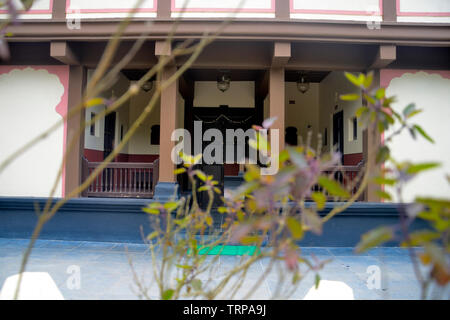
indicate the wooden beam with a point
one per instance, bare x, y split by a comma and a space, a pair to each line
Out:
164, 9
277, 101
385, 56
73, 165
390, 11
282, 9
168, 123
59, 10
281, 54
163, 48
61, 51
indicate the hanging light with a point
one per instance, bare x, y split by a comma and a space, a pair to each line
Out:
148, 86
223, 84
302, 86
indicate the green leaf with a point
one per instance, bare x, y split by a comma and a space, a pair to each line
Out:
374, 238
209, 220
27, 4
415, 112
151, 210
369, 79
170, 206
317, 281
418, 238
380, 94
384, 195
369, 99
197, 284
409, 109
94, 102
349, 97
250, 240
357, 81
423, 133
295, 228
201, 175
167, 295
152, 235
320, 199
383, 154
361, 111
179, 171
385, 181
417, 168
263, 144
333, 187
222, 209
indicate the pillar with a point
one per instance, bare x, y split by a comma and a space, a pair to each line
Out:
167, 185
73, 167
277, 101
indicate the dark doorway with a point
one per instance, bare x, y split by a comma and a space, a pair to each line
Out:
338, 132
110, 131
221, 118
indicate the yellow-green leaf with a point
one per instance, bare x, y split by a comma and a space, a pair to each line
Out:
152, 235
250, 240
167, 295
94, 102
151, 210
374, 238
179, 171
350, 97
320, 199
295, 228
209, 220
333, 187
384, 195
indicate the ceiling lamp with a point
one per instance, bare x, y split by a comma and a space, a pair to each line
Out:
223, 84
148, 86
302, 86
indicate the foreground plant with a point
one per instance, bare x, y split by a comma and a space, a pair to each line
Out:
429, 247
268, 216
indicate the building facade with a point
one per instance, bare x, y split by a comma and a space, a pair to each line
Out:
268, 50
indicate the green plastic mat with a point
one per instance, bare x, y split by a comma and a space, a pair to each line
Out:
229, 250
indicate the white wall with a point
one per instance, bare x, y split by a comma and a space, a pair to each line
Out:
334, 85
96, 142
41, 9
430, 92
305, 111
222, 9
240, 95
88, 9
437, 11
140, 143
357, 10
22, 118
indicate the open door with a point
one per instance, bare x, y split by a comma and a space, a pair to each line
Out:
110, 134
338, 132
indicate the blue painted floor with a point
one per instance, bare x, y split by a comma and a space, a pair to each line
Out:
105, 272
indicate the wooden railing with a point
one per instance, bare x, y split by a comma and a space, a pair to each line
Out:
122, 179
349, 176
